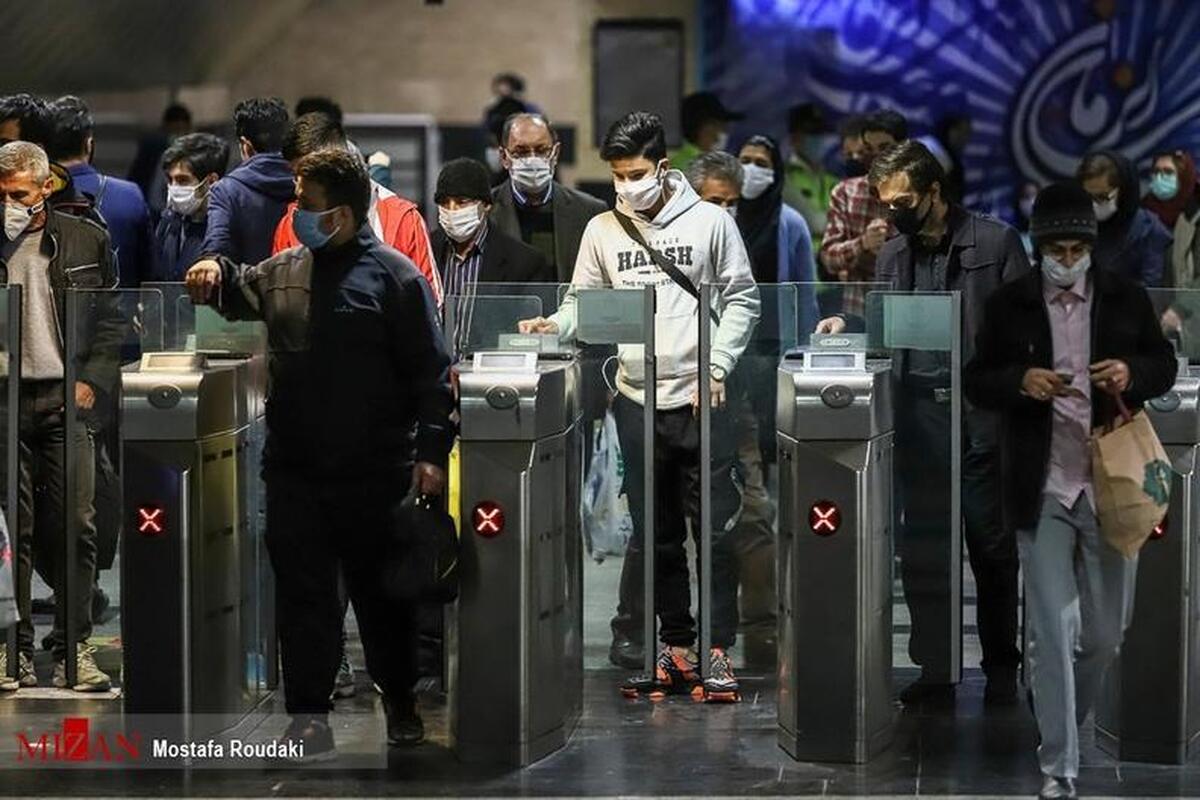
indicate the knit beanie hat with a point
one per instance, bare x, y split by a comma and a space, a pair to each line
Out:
1062, 211
463, 177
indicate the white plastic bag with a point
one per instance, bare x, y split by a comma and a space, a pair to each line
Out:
607, 525
8, 603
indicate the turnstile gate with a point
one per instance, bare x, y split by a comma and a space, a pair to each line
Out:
516, 655
1149, 709
185, 428
834, 421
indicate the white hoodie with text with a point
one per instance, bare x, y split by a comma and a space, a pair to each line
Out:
704, 242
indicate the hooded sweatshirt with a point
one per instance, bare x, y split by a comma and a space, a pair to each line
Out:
245, 206
1133, 242
704, 242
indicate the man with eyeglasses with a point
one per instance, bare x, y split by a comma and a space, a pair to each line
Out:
531, 205
942, 247
1130, 239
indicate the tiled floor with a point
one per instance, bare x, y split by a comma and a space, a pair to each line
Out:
622, 747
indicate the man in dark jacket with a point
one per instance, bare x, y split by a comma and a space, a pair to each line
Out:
943, 247
245, 206
356, 364
470, 251
119, 202
47, 252
531, 205
1054, 348
193, 165
1129, 238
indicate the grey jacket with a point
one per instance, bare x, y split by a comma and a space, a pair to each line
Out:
984, 254
572, 209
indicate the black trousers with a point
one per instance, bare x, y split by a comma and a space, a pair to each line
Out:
41, 516
677, 486
923, 477
315, 528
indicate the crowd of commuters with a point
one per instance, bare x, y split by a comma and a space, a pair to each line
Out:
355, 286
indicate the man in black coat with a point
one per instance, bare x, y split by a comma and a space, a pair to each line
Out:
357, 365
1055, 347
470, 251
942, 247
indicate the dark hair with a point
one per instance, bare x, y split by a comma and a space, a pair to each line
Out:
914, 160
638, 133
525, 115
176, 112
342, 175
514, 81
851, 128
887, 121
499, 113
324, 105
262, 120
1097, 164
73, 125
203, 153
312, 132
31, 113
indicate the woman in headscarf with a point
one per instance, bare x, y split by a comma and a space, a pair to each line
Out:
1174, 198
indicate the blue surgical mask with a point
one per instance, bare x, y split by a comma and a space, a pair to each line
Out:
307, 225
1164, 185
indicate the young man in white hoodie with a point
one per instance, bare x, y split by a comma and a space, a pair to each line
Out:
704, 244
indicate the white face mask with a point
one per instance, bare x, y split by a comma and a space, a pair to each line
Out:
1063, 276
722, 141
17, 217
641, 194
186, 200
461, 223
532, 174
1105, 210
756, 180
1025, 206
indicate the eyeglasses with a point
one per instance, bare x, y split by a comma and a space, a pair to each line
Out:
1105, 197
530, 152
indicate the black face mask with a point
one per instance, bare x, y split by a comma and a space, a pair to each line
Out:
908, 221
856, 167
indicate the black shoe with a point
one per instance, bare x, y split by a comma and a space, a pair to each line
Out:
1001, 689
1057, 789
404, 725
626, 653
306, 741
922, 692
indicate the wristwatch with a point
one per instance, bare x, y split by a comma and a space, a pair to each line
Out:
717, 372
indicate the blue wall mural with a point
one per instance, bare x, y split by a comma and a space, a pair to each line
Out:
1043, 80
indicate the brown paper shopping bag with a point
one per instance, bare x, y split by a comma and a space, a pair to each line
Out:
1131, 477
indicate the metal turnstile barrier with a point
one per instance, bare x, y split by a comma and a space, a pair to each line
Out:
834, 423
516, 656
1149, 708
185, 424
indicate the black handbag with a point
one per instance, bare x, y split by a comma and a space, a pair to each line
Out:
422, 554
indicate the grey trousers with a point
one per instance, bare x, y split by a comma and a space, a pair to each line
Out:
1079, 601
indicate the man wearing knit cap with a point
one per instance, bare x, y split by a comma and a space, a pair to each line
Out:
1056, 346
469, 251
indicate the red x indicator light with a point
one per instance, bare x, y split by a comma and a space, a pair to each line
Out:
151, 520
824, 518
488, 519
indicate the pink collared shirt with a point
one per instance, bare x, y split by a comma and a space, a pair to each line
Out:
1070, 468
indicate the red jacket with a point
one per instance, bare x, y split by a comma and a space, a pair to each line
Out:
396, 222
